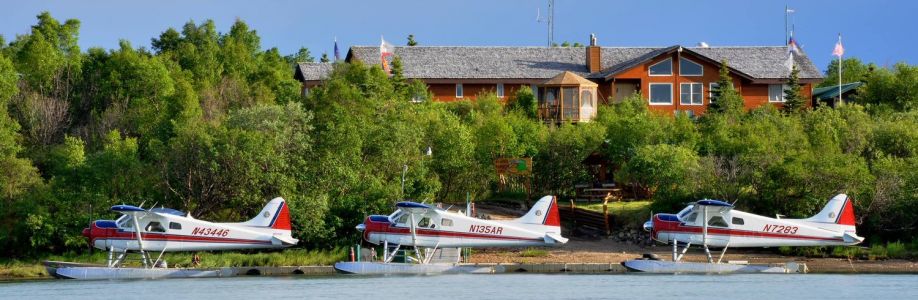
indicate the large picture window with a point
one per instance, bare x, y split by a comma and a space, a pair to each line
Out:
661, 93
663, 68
690, 68
690, 93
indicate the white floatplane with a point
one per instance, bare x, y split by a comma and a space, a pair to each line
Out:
162, 230
429, 230
713, 223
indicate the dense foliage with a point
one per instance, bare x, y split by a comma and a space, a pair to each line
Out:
214, 124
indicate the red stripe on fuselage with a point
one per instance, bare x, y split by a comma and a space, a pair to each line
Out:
125, 235
388, 228
677, 227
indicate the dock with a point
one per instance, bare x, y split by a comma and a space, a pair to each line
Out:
496, 268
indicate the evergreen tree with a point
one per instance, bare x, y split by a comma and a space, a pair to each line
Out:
724, 97
302, 55
324, 58
398, 75
411, 41
793, 97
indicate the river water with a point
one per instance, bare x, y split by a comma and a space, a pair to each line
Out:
498, 286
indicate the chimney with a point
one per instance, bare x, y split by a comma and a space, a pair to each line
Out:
593, 55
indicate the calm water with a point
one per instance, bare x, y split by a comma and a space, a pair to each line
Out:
502, 286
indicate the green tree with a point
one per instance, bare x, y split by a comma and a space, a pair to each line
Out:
524, 101
411, 41
724, 97
793, 95
852, 70
324, 58
302, 55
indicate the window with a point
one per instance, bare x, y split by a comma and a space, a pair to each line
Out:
446, 222
424, 222
175, 226
738, 221
711, 87
458, 90
535, 91
690, 93
717, 221
305, 91
500, 90
663, 68
691, 218
661, 93
402, 220
775, 93
154, 227
690, 68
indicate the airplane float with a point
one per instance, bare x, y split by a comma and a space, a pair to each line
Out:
427, 228
167, 230
714, 223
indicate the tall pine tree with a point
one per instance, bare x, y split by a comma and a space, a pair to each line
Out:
724, 97
793, 97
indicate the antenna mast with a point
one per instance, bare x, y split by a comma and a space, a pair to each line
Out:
551, 22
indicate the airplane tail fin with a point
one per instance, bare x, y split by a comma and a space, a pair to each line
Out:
839, 212
275, 215
544, 212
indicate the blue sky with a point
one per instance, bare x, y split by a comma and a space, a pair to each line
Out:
878, 31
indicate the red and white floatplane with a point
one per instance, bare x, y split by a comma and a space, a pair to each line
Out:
145, 231
432, 233
715, 224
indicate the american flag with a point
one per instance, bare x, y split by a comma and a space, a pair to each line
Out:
839, 49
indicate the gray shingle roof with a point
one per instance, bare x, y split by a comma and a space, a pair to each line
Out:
449, 62
312, 70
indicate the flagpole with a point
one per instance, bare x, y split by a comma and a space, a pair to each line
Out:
839, 73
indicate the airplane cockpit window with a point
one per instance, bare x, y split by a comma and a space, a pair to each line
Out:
402, 220
446, 222
691, 218
424, 222
738, 221
717, 221
154, 227
175, 226
125, 222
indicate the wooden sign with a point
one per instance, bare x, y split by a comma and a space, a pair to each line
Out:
513, 166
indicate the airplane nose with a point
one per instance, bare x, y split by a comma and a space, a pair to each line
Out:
361, 227
648, 226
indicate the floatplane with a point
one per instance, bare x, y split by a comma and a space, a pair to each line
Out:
145, 231
716, 224
430, 231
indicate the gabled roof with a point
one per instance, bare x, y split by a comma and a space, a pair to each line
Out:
312, 71
568, 78
830, 92
540, 63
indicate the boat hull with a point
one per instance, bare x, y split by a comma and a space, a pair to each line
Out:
668, 267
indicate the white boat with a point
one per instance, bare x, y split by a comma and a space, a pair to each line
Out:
380, 268
680, 267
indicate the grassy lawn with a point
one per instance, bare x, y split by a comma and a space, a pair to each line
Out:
628, 214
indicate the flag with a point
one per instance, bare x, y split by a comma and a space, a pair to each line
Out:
385, 50
792, 46
337, 53
839, 49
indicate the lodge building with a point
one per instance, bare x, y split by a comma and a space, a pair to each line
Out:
570, 83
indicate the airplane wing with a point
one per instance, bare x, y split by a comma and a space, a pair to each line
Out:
414, 207
712, 203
